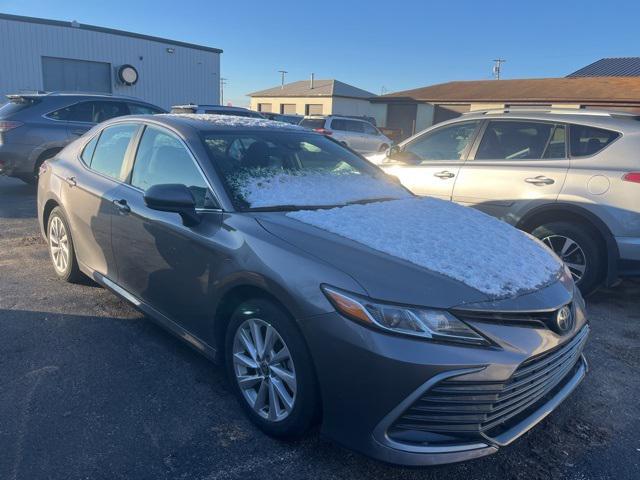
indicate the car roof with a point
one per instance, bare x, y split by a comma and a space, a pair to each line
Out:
217, 107
208, 122
109, 96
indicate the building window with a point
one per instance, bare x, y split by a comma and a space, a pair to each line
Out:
66, 74
313, 109
264, 107
288, 108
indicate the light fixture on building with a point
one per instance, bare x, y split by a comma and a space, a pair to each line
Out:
171, 50
128, 75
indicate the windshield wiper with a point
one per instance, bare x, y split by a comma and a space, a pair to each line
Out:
370, 200
291, 208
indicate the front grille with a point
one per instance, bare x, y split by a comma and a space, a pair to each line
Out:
467, 409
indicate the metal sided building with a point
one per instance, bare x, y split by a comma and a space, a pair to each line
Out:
49, 55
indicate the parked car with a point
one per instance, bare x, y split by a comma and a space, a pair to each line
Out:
357, 134
35, 127
570, 178
417, 330
216, 110
280, 117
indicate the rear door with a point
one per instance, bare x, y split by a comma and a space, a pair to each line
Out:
347, 131
89, 193
517, 165
437, 156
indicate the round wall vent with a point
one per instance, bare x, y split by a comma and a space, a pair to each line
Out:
128, 75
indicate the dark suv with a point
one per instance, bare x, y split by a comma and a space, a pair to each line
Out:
35, 127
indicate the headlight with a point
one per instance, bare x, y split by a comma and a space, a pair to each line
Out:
418, 322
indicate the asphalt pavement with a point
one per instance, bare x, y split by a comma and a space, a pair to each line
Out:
90, 389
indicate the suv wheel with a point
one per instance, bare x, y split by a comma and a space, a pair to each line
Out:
61, 248
270, 369
578, 248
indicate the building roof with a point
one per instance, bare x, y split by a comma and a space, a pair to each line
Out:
321, 88
537, 90
611, 67
112, 31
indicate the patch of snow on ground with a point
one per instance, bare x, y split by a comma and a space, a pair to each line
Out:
265, 187
235, 121
456, 241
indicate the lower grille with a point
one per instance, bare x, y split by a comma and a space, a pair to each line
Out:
467, 409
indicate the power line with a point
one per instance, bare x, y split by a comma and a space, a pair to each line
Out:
497, 66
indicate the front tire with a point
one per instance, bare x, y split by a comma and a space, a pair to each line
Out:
578, 247
61, 248
270, 369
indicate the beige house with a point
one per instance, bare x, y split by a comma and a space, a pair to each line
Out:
314, 97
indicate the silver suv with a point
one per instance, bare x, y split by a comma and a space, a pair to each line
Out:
359, 135
570, 178
36, 126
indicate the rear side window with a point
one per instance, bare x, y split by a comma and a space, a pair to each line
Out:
313, 123
90, 112
161, 159
138, 109
509, 140
89, 148
587, 141
347, 125
111, 148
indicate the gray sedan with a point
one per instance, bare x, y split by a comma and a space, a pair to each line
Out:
330, 293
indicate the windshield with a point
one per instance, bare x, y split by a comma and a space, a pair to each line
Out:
312, 123
294, 170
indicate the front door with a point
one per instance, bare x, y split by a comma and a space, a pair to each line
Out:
160, 260
518, 165
429, 164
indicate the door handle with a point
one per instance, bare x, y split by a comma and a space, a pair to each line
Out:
122, 206
540, 180
444, 174
71, 181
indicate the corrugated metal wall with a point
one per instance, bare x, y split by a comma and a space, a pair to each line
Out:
165, 79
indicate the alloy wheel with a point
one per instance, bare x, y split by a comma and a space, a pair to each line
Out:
59, 245
569, 252
264, 369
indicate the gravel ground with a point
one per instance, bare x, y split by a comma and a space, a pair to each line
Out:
89, 389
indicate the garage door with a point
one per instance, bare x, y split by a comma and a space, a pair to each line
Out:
288, 108
71, 75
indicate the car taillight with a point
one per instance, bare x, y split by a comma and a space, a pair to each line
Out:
323, 131
6, 125
632, 177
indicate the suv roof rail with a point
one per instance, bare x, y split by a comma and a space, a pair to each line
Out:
553, 111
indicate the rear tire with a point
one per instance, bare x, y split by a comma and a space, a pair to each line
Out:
579, 247
61, 250
284, 370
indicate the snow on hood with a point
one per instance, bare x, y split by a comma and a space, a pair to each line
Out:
459, 242
267, 187
235, 121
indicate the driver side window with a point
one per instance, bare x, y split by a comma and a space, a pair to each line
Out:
447, 143
162, 158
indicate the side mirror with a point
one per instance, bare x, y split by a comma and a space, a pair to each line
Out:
403, 156
173, 197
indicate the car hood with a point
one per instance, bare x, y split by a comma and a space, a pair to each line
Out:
382, 276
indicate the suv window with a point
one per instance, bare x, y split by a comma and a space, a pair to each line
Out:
515, 140
369, 129
109, 153
139, 109
161, 159
90, 112
587, 141
313, 123
347, 125
446, 143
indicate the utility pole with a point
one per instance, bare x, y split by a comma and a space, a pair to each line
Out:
497, 66
223, 82
282, 74
383, 90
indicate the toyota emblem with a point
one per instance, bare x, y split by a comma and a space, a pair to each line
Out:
564, 319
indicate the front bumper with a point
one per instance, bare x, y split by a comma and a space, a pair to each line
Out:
369, 379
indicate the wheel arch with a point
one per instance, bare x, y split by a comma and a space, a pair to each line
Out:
573, 213
46, 213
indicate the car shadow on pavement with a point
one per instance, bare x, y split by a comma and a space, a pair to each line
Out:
18, 200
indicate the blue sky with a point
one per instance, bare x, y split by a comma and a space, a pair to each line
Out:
394, 44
